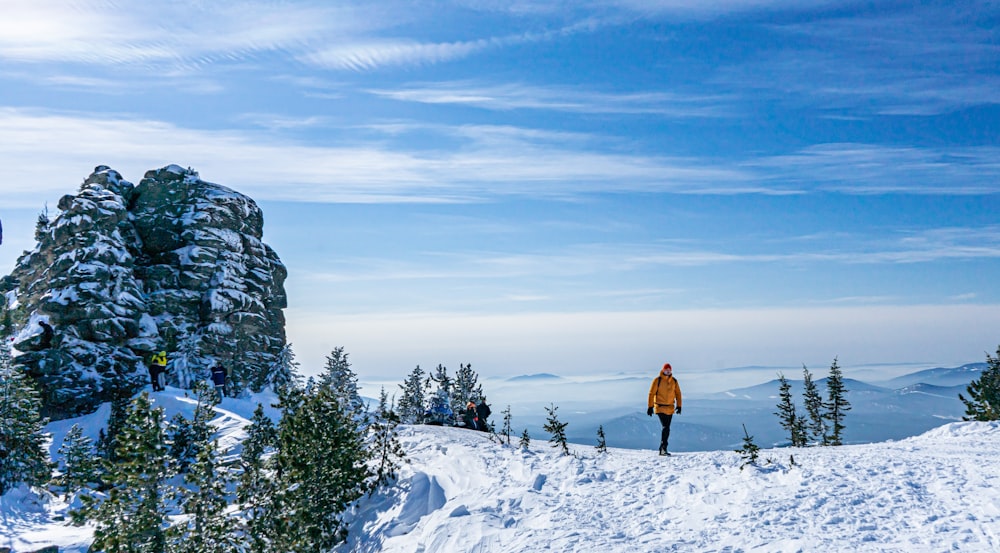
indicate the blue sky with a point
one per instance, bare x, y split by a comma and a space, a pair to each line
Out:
568, 187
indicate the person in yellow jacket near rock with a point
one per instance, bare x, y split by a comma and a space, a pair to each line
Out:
665, 401
157, 366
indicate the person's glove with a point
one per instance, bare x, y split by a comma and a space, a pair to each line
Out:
678, 410
649, 411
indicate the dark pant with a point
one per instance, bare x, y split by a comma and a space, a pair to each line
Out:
665, 433
156, 378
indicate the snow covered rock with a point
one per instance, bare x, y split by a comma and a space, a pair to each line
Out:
174, 263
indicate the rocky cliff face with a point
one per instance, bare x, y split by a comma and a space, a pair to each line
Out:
123, 270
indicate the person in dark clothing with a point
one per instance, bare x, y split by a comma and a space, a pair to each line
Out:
482, 413
47, 334
157, 366
469, 416
219, 379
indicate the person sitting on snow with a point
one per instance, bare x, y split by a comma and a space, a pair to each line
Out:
469, 416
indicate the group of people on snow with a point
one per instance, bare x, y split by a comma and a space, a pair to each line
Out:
475, 416
158, 369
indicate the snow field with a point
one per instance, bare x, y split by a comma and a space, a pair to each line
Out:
462, 492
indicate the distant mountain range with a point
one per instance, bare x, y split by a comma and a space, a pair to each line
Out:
898, 408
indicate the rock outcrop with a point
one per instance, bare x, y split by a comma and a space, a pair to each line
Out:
173, 263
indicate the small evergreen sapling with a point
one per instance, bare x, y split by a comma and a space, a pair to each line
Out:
602, 444
525, 442
557, 429
505, 431
749, 451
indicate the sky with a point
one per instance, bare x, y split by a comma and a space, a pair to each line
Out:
566, 187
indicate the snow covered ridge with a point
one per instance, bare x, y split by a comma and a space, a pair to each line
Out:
463, 492
173, 263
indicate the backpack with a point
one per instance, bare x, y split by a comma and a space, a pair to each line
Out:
486, 411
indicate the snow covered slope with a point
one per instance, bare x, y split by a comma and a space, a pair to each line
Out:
935, 492
461, 492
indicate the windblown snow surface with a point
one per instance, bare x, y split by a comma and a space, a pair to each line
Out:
463, 492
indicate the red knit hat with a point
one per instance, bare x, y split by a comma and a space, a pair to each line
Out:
667, 366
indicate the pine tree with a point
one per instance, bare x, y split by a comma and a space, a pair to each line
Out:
836, 405
749, 451
42, 225
412, 402
525, 442
441, 398
602, 443
186, 437
207, 528
813, 401
187, 364
322, 469
80, 466
983, 403
257, 486
107, 443
342, 381
6, 324
284, 372
387, 452
465, 388
787, 416
506, 424
557, 429
131, 519
23, 455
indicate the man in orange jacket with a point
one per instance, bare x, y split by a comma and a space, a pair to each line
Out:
664, 394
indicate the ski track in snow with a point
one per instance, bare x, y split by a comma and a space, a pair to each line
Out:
931, 493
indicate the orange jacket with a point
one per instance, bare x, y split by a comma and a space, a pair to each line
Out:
663, 394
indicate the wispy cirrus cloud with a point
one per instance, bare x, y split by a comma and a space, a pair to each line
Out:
575, 260
363, 54
476, 164
504, 97
184, 32
470, 163
875, 169
710, 8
